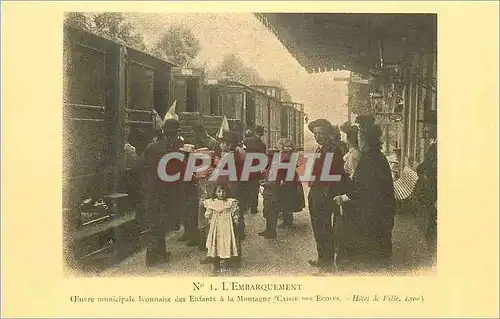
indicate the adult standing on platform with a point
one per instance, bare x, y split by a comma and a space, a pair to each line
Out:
321, 193
369, 202
164, 199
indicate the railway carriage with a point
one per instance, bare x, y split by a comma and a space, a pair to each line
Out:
111, 95
110, 92
226, 98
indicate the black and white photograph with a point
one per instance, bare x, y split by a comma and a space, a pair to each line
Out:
353, 95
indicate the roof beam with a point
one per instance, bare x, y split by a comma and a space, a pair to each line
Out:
359, 41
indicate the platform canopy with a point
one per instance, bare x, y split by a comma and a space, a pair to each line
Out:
362, 43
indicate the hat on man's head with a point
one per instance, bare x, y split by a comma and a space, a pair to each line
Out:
230, 137
320, 123
365, 120
430, 117
259, 129
171, 126
349, 129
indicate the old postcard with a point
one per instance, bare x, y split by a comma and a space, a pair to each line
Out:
204, 159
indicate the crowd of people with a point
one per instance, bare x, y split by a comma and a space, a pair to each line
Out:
352, 218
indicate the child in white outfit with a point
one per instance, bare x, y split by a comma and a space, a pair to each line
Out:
223, 213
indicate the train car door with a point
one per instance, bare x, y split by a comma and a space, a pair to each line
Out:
140, 102
284, 120
187, 89
179, 94
250, 110
233, 102
212, 99
86, 113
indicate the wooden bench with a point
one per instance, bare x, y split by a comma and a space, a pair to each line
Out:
404, 185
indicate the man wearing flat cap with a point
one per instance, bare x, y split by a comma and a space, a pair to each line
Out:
164, 199
427, 172
321, 194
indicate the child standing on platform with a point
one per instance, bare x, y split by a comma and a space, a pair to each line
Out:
222, 242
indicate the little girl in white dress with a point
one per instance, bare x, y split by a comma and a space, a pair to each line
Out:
223, 212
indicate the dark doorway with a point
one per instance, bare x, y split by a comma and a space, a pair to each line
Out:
214, 102
192, 95
250, 111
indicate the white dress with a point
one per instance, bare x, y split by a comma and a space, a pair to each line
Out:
221, 240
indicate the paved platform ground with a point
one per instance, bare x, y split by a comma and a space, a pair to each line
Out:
287, 255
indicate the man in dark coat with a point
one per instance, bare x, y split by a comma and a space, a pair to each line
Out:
427, 171
253, 144
321, 193
164, 199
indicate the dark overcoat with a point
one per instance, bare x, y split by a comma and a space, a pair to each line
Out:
291, 193
164, 200
369, 214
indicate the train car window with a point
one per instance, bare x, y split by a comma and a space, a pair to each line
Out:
141, 87
214, 103
227, 102
86, 74
84, 146
258, 111
85, 97
250, 110
192, 85
238, 104
220, 105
